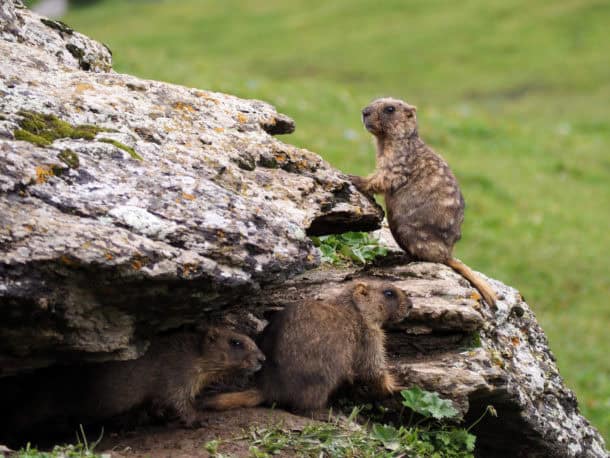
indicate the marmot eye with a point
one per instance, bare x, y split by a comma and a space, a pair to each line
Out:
389, 109
389, 293
236, 343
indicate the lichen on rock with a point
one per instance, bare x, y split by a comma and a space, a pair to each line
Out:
105, 175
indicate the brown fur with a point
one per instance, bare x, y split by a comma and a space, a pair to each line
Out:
314, 347
423, 198
173, 371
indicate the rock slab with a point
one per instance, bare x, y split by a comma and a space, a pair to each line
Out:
130, 206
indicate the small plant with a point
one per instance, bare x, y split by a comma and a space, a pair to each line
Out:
359, 247
59, 451
428, 403
212, 448
81, 449
428, 437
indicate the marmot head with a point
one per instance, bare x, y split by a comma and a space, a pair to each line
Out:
390, 118
226, 350
380, 301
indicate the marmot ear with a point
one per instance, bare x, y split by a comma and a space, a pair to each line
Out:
360, 295
361, 288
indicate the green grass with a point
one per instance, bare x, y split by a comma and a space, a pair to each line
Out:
428, 436
514, 94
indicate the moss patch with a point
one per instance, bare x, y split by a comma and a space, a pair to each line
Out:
42, 129
21, 134
132, 152
70, 158
79, 55
61, 27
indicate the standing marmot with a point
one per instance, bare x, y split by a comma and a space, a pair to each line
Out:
314, 347
423, 199
173, 371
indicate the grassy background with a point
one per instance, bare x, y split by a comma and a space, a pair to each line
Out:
514, 94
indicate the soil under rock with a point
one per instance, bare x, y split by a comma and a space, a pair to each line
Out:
230, 427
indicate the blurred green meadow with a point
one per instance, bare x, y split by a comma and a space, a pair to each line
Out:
515, 95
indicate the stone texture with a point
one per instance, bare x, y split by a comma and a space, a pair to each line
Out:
215, 208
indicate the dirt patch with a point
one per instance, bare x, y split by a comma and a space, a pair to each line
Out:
174, 441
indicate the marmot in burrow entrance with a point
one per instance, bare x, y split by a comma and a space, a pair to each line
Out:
174, 369
423, 199
314, 347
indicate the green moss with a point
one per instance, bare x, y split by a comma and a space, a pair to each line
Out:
472, 341
70, 158
21, 134
61, 27
268, 161
75, 51
42, 129
86, 131
132, 152
79, 55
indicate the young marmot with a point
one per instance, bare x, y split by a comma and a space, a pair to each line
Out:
173, 371
314, 347
423, 199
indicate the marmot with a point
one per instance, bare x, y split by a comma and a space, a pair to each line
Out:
174, 369
314, 347
423, 199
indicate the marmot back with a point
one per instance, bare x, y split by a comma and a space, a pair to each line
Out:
314, 347
423, 199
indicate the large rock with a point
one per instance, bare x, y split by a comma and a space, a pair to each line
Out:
129, 207
139, 205
474, 355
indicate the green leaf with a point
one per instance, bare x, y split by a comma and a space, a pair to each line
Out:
428, 404
387, 435
463, 439
358, 247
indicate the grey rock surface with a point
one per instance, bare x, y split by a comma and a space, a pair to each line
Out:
198, 204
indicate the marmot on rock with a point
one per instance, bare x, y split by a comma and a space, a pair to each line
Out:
423, 199
314, 347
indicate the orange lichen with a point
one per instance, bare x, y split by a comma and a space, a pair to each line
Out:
205, 95
43, 174
242, 118
188, 269
188, 196
82, 87
218, 129
182, 106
